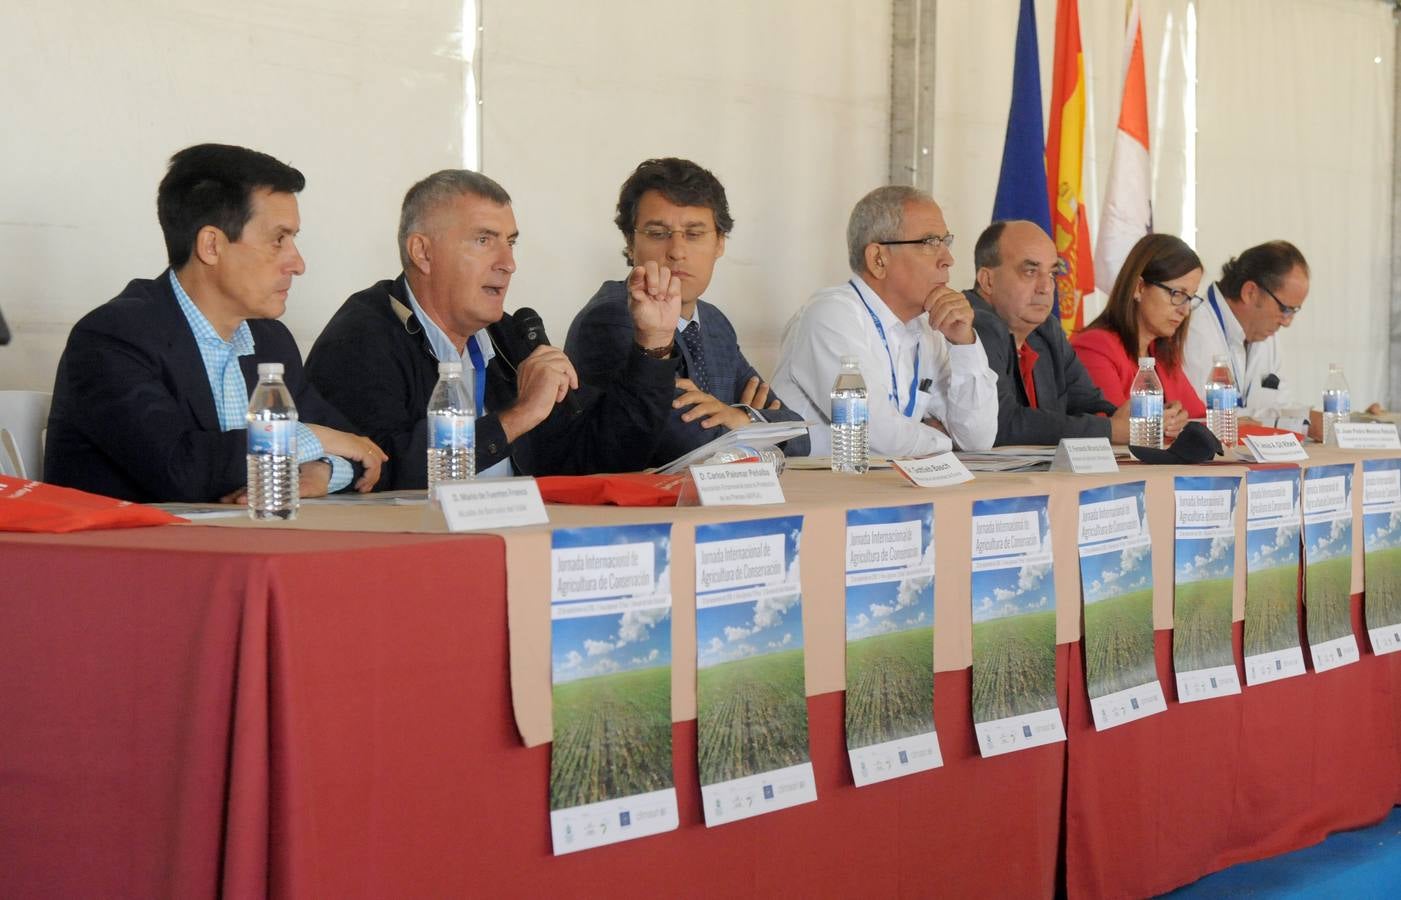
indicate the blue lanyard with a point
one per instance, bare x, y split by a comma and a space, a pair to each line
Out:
880, 330
1221, 320
478, 373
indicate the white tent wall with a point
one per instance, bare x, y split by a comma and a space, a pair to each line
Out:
1295, 142
787, 101
362, 95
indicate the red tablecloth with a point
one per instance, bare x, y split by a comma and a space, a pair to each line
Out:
189, 712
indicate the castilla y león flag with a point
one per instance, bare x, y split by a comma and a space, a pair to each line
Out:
1065, 157
1128, 209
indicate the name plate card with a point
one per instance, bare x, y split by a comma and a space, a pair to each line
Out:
1273, 448
737, 484
934, 471
491, 503
1085, 456
1367, 436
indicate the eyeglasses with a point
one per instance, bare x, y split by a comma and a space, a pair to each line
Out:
1285, 309
664, 235
931, 243
1179, 297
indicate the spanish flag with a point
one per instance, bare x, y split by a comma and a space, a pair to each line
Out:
1065, 158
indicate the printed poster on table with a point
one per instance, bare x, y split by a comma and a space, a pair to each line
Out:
1381, 525
890, 642
1014, 626
1204, 575
610, 656
1328, 566
1116, 580
1272, 529
751, 698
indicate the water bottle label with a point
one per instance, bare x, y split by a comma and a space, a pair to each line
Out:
1221, 397
449, 432
272, 438
1146, 406
1337, 403
849, 411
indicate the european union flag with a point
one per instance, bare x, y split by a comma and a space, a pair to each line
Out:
1021, 186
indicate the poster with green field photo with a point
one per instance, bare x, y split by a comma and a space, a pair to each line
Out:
890, 642
1272, 528
1116, 581
610, 659
1328, 566
1204, 571
751, 697
1381, 520
1014, 626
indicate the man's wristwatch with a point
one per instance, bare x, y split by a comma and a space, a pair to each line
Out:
667, 352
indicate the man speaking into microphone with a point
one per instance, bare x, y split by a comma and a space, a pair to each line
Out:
377, 359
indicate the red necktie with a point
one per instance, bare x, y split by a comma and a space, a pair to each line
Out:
1026, 361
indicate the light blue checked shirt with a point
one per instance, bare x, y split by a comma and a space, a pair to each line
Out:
230, 390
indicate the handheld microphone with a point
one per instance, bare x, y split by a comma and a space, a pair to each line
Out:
530, 327
531, 330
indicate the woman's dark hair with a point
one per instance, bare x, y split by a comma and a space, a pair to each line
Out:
680, 181
1265, 264
213, 184
1156, 257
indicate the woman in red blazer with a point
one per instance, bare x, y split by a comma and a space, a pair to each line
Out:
1147, 316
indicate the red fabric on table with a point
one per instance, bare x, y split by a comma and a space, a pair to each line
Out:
40, 508
1158, 803
628, 489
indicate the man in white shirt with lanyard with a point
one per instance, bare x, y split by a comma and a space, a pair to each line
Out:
928, 379
1258, 292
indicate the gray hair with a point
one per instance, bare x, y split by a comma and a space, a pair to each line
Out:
877, 217
435, 190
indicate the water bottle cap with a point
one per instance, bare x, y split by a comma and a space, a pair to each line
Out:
265, 369
1220, 359
851, 362
1147, 362
449, 368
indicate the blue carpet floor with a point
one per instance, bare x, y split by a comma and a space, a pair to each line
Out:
1354, 864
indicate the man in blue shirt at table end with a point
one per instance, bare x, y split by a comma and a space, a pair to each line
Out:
152, 389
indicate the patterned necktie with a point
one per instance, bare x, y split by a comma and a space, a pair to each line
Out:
692, 336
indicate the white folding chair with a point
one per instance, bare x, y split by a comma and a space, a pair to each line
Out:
23, 418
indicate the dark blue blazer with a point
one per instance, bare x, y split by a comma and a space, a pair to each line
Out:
601, 337
133, 416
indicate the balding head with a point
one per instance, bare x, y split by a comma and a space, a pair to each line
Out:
1016, 263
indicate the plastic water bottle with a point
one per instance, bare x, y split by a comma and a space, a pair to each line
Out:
452, 425
751, 453
1222, 401
1337, 402
272, 447
1146, 406
851, 449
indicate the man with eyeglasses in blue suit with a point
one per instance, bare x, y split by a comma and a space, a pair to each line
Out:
1259, 292
926, 374
674, 214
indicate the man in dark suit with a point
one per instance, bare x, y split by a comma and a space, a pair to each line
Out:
673, 213
152, 388
377, 359
1043, 391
